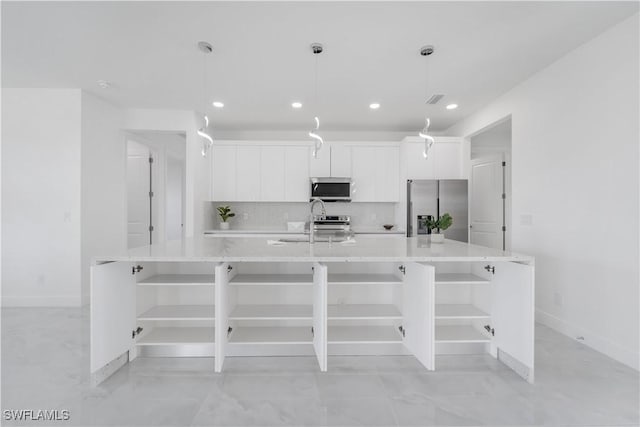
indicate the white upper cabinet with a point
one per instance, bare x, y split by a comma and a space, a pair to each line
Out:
363, 172
448, 158
248, 173
417, 166
280, 172
224, 172
375, 171
320, 166
272, 174
340, 161
296, 174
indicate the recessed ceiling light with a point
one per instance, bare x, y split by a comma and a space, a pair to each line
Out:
452, 106
104, 84
374, 106
296, 105
218, 104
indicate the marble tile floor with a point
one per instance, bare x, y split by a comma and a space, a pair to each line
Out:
45, 360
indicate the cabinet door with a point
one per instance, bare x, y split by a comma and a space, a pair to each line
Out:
113, 312
222, 314
340, 161
364, 161
388, 179
224, 173
272, 174
320, 314
376, 174
296, 174
417, 166
512, 316
418, 312
247, 173
448, 160
320, 166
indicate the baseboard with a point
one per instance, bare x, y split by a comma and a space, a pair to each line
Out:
40, 301
592, 340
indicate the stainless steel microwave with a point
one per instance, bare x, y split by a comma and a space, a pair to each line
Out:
331, 189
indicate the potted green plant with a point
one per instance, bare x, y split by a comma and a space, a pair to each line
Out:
440, 225
225, 213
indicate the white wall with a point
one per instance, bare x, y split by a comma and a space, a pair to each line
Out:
575, 136
41, 216
103, 185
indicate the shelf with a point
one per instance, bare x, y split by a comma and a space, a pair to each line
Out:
363, 311
271, 312
179, 312
459, 311
460, 334
459, 279
170, 336
179, 280
363, 279
363, 335
271, 279
271, 335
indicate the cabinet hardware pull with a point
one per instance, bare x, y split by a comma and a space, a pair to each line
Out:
490, 268
403, 269
490, 330
136, 269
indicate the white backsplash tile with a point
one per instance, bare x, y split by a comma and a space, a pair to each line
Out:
271, 215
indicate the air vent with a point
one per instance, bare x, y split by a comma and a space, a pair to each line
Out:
434, 99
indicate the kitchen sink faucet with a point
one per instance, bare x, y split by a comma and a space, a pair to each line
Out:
311, 220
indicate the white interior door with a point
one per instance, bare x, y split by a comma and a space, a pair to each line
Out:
222, 276
486, 202
320, 314
418, 312
174, 199
138, 187
113, 312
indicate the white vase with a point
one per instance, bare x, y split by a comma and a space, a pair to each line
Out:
437, 237
224, 226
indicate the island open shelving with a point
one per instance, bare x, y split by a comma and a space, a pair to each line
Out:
226, 297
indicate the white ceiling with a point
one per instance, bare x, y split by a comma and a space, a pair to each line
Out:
262, 60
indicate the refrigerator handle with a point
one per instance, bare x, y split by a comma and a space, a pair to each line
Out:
409, 209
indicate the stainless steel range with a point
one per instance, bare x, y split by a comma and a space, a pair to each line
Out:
338, 227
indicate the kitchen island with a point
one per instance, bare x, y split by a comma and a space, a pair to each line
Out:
251, 296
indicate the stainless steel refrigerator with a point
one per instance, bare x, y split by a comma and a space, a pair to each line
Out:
435, 198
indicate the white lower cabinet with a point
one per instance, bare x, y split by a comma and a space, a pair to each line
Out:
151, 309
200, 309
486, 307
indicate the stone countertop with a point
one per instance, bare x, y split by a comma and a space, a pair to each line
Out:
356, 230
365, 249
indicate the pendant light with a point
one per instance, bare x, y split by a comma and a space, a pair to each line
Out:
317, 49
424, 133
206, 48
